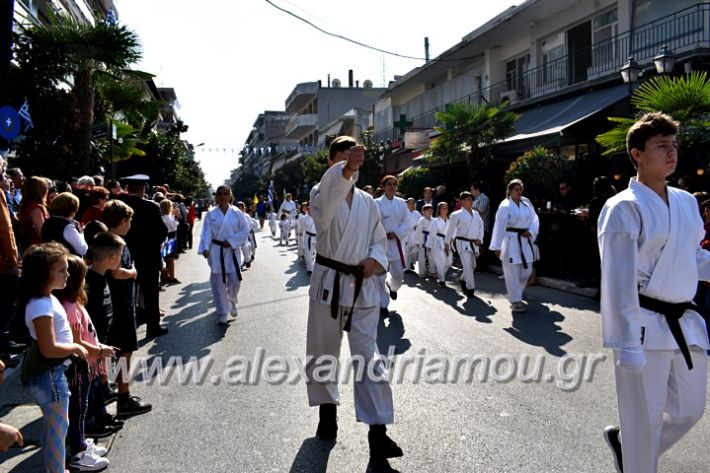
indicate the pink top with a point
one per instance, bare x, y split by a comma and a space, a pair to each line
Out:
79, 319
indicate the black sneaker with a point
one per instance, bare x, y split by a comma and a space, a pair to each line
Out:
470, 293
110, 421
328, 424
108, 395
393, 294
611, 435
381, 446
463, 285
133, 406
98, 431
442, 283
156, 332
384, 312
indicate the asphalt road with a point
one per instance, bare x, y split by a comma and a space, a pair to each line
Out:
501, 424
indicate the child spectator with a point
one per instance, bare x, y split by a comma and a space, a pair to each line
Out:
45, 270
83, 453
168, 210
122, 333
61, 226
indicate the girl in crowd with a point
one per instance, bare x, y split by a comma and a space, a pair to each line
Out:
33, 210
443, 258
166, 209
85, 456
516, 227
45, 270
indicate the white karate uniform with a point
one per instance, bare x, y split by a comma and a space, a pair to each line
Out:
285, 227
309, 241
442, 261
649, 247
347, 234
272, 223
410, 244
470, 226
297, 225
288, 206
510, 215
424, 256
231, 227
395, 219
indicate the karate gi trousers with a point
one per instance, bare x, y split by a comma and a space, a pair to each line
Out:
442, 263
225, 294
424, 258
516, 279
468, 265
394, 277
659, 405
373, 395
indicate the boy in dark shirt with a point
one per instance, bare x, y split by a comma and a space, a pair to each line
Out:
122, 333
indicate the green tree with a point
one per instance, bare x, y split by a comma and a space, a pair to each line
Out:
78, 53
314, 166
467, 132
686, 98
541, 171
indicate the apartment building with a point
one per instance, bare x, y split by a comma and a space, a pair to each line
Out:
556, 62
85, 11
267, 144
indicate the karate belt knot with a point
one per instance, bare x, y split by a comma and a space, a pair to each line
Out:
672, 312
471, 243
310, 235
520, 232
346, 269
222, 245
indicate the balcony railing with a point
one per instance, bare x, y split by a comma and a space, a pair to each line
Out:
301, 125
684, 31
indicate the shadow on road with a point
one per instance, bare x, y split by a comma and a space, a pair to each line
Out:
390, 333
538, 327
312, 457
299, 278
31, 433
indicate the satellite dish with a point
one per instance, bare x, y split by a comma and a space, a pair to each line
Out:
336, 83
367, 84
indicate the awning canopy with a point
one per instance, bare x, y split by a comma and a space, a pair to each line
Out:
553, 118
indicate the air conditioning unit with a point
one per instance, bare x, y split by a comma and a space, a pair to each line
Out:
511, 96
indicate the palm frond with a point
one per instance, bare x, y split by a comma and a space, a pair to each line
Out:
614, 140
682, 97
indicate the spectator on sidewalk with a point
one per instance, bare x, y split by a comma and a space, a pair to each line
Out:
167, 212
98, 196
61, 226
33, 211
427, 199
9, 274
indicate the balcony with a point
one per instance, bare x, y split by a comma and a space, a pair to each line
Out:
301, 125
300, 97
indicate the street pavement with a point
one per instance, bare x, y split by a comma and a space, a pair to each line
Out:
495, 425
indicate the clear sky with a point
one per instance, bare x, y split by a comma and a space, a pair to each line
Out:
230, 60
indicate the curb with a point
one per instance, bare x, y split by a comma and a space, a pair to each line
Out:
554, 283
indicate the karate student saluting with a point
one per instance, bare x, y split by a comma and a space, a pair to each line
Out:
225, 230
649, 241
395, 220
466, 232
343, 296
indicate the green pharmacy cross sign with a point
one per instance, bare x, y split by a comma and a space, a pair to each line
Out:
403, 124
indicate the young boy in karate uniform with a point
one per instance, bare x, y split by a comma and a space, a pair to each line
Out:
649, 241
466, 232
411, 241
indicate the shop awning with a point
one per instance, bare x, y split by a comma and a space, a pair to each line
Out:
554, 118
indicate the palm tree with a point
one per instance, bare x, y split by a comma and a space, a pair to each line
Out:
468, 130
88, 51
686, 98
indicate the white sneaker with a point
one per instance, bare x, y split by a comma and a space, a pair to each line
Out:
88, 461
98, 450
222, 319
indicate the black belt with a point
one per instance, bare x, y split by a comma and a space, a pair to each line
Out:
222, 246
253, 235
309, 239
346, 269
470, 243
441, 235
672, 312
520, 232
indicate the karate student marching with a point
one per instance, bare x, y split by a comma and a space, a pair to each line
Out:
309, 238
411, 241
395, 220
246, 248
298, 227
285, 229
514, 232
443, 258
343, 296
649, 237
423, 233
273, 225
224, 231
466, 232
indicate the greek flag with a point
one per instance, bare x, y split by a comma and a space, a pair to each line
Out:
24, 113
111, 18
271, 193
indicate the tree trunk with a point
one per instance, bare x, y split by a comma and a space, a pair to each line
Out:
84, 96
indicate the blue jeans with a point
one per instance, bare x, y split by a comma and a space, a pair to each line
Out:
50, 386
78, 406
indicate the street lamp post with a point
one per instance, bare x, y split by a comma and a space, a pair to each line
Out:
631, 72
665, 61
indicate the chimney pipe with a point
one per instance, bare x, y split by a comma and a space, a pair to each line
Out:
357, 84
329, 81
426, 48
350, 78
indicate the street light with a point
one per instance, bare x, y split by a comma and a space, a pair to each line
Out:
631, 71
665, 61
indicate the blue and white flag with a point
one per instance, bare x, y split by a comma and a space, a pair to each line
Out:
271, 194
111, 18
24, 113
